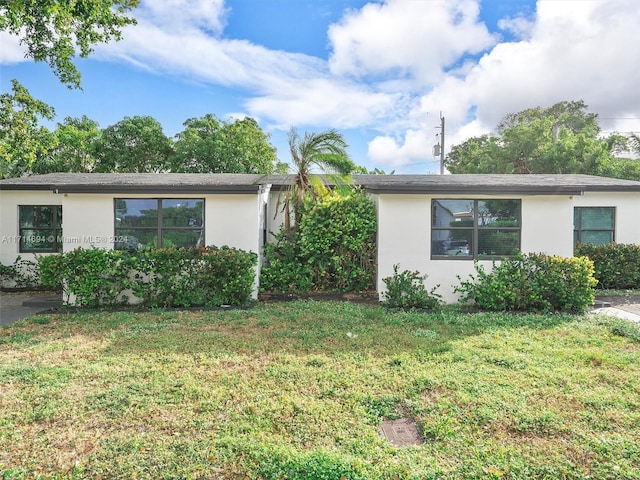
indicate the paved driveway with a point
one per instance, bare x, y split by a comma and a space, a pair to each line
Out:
17, 305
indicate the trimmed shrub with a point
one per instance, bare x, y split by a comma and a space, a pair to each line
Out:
209, 276
406, 291
168, 277
617, 265
532, 282
94, 276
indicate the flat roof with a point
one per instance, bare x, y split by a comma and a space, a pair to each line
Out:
158, 183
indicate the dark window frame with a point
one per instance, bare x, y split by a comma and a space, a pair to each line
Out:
55, 230
577, 225
159, 228
475, 229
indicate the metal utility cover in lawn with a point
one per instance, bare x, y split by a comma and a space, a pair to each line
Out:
402, 432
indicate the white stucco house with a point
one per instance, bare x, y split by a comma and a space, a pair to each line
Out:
439, 225
59, 212
435, 224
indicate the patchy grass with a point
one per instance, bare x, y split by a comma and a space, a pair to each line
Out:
297, 390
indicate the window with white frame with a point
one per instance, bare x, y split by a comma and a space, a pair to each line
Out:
158, 222
471, 228
594, 225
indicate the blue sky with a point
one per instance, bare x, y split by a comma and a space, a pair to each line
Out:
379, 72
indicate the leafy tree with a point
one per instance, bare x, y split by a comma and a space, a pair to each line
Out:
22, 140
73, 152
55, 31
133, 145
563, 138
325, 151
626, 168
209, 145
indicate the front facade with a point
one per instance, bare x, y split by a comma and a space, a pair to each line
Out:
53, 213
441, 229
438, 225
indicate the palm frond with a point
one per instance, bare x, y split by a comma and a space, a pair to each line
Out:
325, 151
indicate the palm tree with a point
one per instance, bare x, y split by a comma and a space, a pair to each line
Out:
326, 151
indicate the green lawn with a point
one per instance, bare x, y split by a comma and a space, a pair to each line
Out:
298, 390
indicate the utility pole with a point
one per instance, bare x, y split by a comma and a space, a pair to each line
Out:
441, 144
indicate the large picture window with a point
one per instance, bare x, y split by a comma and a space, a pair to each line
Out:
594, 225
40, 228
469, 228
158, 222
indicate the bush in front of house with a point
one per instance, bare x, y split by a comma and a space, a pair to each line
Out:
23, 274
406, 291
617, 265
532, 283
170, 277
332, 249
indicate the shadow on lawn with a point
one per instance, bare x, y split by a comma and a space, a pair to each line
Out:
298, 327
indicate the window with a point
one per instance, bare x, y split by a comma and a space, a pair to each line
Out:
158, 222
594, 225
474, 228
40, 228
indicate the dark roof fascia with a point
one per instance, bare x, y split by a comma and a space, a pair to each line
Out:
476, 190
131, 189
9, 187
158, 189
612, 188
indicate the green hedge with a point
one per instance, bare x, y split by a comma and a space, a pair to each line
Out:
167, 277
532, 282
333, 248
617, 265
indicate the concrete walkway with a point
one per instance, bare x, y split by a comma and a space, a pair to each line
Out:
627, 311
17, 305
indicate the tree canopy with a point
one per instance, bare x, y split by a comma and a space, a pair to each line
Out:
210, 145
563, 138
73, 151
56, 31
22, 139
133, 145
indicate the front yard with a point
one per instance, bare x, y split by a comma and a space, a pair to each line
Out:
298, 390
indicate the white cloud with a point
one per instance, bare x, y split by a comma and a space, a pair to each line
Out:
322, 101
521, 27
11, 51
577, 50
207, 15
387, 152
407, 38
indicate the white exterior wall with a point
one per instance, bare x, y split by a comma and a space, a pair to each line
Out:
275, 215
404, 236
9, 223
230, 219
88, 220
627, 226
547, 225
233, 220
